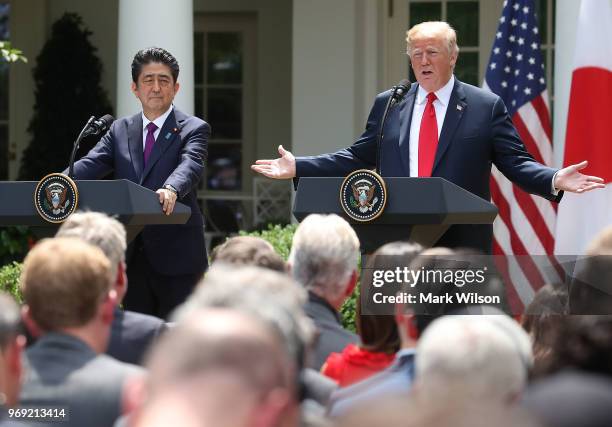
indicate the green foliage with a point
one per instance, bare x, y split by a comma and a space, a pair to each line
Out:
68, 91
9, 280
280, 238
14, 243
10, 54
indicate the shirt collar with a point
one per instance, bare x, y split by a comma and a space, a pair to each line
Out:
443, 94
159, 122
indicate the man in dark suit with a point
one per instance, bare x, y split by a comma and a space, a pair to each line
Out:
69, 303
323, 259
442, 128
164, 150
132, 333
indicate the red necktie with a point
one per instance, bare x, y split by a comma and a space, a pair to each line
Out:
428, 137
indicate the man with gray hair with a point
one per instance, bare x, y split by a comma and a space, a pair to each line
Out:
323, 258
476, 356
219, 367
131, 333
278, 300
11, 347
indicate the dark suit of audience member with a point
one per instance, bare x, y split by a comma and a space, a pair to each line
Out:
63, 370
332, 337
132, 334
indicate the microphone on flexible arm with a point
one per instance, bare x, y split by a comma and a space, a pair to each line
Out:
398, 93
92, 127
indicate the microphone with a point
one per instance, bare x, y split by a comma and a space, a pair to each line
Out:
92, 127
100, 125
398, 92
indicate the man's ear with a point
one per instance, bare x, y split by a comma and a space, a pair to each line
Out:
134, 88
350, 287
30, 324
121, 281
13, 360
107, 308
177, 86
406, 320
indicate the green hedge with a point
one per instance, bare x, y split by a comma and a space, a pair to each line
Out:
280, 238
9, 280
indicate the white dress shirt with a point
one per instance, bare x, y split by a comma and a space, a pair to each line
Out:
440, 105
159, 122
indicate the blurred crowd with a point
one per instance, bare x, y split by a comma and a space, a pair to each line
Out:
261, 341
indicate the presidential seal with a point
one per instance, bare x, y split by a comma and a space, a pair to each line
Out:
56, 197
363, 195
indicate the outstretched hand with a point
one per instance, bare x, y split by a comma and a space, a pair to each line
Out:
569, 179
281, 168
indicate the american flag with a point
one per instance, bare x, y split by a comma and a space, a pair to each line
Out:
526, 223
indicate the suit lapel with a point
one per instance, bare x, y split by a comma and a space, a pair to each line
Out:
454, 111
166, 137
135, 143
405, 115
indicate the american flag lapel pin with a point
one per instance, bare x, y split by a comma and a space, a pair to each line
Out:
459, 107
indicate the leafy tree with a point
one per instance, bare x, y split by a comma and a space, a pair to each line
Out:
9, 53
68, 91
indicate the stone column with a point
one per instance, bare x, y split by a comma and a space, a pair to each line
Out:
162, 23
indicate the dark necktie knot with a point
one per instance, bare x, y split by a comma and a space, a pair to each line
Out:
151, 127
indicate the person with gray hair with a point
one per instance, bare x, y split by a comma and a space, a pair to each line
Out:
480, 357
278, 300
12, 343
132, 333
323, 258
219, 367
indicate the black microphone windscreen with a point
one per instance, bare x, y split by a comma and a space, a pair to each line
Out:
107, 119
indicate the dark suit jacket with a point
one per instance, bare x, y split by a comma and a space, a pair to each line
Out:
132, 334
177, 159
62, 370
477, 132
332, 336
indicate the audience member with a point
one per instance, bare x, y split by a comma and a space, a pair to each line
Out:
67, 286
542, 320
278, 299
585, 344
591, 288
12, 343
222, 368
323, 258
483, 358
249, 250
131, 333
380, 340
409, 411
571, 398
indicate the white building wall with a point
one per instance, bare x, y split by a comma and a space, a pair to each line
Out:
334, 72
565, 39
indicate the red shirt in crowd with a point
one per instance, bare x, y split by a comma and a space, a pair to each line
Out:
354, 364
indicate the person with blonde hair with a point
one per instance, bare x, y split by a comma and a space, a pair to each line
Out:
67, 287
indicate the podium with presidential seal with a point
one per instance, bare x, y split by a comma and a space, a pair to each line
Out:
43, 205
394, 208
